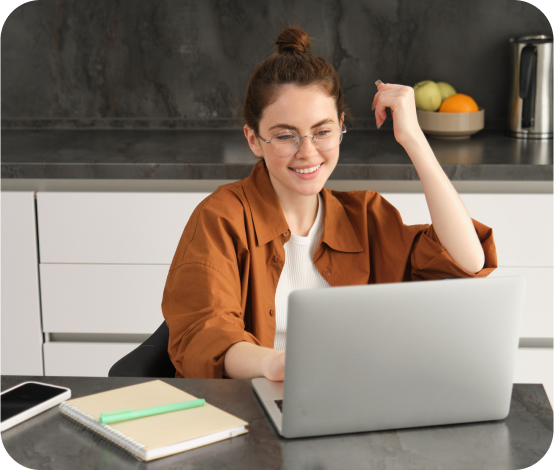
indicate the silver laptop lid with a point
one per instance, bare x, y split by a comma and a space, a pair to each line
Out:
389, 356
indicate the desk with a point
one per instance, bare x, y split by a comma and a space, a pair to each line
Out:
52, 441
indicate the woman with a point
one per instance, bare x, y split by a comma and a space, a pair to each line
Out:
252, 242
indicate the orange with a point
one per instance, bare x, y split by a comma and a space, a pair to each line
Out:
459, 103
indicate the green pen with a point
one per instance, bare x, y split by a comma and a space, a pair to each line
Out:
124, 415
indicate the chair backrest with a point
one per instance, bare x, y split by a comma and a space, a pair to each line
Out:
150, 359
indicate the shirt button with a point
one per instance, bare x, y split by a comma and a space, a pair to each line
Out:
277, 258
327, 272
286, 234
272, 313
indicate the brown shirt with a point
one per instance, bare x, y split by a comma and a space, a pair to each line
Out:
221, 285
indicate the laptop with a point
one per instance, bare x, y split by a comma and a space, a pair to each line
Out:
400, 355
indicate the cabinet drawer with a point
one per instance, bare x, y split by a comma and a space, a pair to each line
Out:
521, 223
102, 298
124, 228
537, 317
83, 359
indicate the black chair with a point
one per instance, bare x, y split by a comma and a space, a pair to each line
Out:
150, 359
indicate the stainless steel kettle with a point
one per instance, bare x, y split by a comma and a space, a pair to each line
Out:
530, 113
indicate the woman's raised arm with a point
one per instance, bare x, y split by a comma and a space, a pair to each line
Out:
450, 218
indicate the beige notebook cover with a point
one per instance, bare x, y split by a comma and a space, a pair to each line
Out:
154, 436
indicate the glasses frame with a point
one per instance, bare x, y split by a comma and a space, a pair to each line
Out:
299, 143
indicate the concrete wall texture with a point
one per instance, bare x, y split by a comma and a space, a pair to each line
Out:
190, 60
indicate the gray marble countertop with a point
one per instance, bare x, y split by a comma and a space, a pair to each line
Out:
224, 154
50, 441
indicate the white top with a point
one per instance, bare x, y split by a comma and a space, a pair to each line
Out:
299, 272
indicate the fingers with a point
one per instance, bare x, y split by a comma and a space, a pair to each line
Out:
380, 112
391, 96
379, 119
380, 86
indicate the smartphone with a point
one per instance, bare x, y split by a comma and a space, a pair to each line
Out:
28, 399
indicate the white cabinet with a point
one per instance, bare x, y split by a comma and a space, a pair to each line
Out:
120, 228
21, 329
105, 255
104, 261
523, 231
83, 359
102, 298
521, 223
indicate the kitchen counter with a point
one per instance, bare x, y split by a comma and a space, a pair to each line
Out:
224, 155
52, 441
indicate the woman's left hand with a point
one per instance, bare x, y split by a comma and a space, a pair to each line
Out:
400, 99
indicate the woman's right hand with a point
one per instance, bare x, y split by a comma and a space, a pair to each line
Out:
273, 367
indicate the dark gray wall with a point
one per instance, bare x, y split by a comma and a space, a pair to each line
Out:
90, 63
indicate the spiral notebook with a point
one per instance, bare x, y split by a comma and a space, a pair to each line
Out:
154, 436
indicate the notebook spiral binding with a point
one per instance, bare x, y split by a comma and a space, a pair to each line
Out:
105, 430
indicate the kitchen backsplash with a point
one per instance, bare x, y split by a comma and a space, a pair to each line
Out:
185, 63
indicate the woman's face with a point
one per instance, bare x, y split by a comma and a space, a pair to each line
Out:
302, 109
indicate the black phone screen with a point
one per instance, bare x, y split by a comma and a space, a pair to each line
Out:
22, 398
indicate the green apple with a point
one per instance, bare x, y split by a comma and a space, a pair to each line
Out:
427, 95
446, 90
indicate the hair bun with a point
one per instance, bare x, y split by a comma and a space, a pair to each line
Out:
293, 39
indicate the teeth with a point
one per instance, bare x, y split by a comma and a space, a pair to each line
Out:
308, 170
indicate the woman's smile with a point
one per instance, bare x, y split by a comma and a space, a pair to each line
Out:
307, 172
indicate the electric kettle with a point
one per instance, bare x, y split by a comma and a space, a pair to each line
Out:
530, 112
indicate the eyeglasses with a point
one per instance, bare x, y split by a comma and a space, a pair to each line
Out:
286, 142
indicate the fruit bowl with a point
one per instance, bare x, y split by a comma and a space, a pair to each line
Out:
451, 125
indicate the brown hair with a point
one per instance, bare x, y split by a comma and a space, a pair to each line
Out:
291, 63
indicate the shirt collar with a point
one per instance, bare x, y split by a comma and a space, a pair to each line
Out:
270, 222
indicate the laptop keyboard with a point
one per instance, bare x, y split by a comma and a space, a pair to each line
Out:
279, 404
